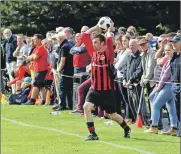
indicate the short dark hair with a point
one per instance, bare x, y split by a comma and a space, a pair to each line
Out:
39, 36
101, 38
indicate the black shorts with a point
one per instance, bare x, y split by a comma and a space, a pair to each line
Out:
48, 84
39, 79
104, 99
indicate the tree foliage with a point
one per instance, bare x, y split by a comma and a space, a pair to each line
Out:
30, 17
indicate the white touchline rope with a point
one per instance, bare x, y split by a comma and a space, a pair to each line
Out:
77, 135
156, 81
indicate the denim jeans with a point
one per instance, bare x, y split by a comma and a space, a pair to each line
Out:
164, 96
79, 69
176, 93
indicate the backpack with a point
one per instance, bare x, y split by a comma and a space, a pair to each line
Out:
20, 98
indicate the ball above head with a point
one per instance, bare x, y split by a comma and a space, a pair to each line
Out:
104, 23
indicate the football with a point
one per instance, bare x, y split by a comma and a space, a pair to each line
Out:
104, 23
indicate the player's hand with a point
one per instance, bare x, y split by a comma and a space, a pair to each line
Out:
111, 29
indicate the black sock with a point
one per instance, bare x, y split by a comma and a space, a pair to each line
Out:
91, 128
124, 125
32, 100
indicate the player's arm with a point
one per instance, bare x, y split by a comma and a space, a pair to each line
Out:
109, 43
87, 40
89, 31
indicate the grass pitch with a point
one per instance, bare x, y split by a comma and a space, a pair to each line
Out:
33, 130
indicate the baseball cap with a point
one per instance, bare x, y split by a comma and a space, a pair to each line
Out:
175, 39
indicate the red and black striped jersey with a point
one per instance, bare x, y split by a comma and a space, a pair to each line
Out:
100, 65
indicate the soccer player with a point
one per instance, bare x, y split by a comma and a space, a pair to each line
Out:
102, 83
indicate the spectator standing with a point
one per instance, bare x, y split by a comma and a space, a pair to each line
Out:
162, 95
122, 57
175, 75
39, 58
131, 30
21, 50
132, 75
69, 35
152, 42
80, 56
65, 69
3, 66
148, 65
9, 46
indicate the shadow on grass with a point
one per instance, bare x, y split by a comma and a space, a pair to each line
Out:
149, 140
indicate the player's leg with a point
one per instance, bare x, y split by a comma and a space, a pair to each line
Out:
92, 99
119, 119
109, 105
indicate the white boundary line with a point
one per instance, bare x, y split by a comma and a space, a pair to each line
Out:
76, 135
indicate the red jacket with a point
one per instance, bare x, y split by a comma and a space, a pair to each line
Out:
20, 73
48, 76
81, 60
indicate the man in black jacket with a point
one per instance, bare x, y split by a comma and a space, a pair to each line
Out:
65, 69
3, 66
9, 46
132, 75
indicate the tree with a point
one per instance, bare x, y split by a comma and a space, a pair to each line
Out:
31, 17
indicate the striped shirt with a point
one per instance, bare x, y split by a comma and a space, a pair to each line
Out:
100, 65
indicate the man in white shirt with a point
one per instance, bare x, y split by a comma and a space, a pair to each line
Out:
21, 50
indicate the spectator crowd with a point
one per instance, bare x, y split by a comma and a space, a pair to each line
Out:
41, 71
